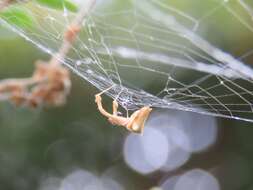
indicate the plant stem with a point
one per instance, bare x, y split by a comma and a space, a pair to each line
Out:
71, 32
4, 4
70, 36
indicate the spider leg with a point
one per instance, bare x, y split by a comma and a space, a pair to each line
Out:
115, 106
102, 92
98, 100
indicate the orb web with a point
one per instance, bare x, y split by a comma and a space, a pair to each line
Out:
190, 55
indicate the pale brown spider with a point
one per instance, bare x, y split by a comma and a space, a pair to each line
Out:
135, 123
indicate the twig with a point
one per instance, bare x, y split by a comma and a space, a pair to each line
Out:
4, 4
72, 32
50, 83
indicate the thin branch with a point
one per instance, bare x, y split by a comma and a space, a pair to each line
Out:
72, 32
4, 4
50, 83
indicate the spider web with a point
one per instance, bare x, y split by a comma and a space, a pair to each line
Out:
190, 55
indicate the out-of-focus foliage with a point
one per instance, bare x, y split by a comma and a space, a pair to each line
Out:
18, 16
59, 4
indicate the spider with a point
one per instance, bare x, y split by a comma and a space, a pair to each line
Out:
135, 123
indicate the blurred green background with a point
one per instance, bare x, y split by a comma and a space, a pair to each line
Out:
36, 144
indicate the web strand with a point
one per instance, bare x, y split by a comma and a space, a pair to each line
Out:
155, 44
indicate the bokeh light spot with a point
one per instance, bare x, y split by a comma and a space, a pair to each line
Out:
197, 179
148, 152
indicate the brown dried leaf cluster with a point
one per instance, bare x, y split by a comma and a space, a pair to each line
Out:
49, 85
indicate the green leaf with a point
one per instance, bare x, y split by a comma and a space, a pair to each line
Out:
18, 16
59, 4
